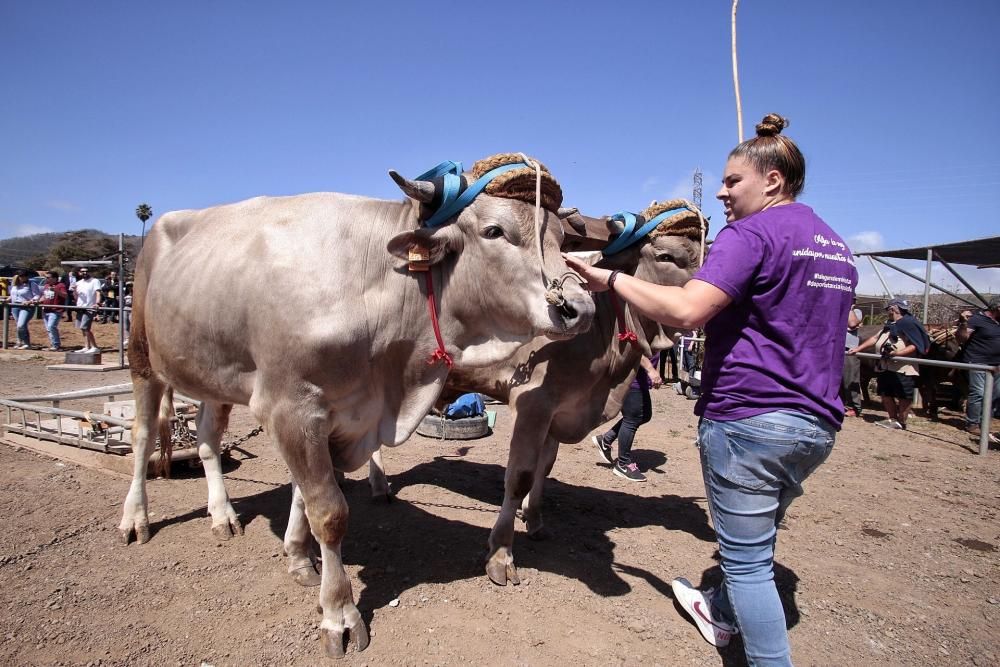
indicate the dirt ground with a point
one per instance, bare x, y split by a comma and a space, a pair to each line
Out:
891, 557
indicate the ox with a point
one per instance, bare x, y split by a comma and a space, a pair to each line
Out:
559, 391
335, 370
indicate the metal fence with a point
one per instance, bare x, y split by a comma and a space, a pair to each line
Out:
984, 424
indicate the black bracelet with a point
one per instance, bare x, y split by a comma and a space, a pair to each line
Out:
611, 279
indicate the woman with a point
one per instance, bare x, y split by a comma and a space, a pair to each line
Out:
637, 409
23, 298
773, 296
53, 299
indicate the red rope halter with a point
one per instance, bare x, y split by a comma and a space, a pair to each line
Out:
625, 334
440, 354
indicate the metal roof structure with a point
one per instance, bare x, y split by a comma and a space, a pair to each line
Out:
981, 253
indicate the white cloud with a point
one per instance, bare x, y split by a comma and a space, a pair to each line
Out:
650, 183
866, 242
62, 205
29, 230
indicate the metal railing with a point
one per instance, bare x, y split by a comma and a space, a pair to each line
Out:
984, 424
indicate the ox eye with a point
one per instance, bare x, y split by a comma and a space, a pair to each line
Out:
664, 257
493, 232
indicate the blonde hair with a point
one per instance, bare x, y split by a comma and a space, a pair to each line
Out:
770, 150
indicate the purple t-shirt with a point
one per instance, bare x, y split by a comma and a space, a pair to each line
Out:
780, 344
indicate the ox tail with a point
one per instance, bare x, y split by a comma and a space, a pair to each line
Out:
163, 430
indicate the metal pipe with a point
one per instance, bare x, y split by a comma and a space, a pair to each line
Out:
878, 273
919, 279
960, 278
933, 362
987, 416
119, 292
927, 283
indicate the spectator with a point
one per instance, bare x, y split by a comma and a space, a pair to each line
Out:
637, 409
127, 312
773, 296
53, 300
110, 290
980, 336
88, 295
24, 296
850, 382
71, 279
902, 336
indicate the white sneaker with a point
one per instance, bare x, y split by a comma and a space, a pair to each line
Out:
698, 606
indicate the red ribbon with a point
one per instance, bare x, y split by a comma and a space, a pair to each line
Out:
626, 334
440, 354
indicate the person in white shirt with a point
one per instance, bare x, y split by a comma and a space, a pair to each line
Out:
88, 295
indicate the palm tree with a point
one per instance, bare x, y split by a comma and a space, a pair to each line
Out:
144, 212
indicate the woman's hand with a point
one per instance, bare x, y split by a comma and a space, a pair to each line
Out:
597, 279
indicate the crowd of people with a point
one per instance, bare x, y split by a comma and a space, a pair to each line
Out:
77, 295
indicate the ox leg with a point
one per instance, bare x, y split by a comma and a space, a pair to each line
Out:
531, 508
377, 480
525, 446
307, 454
298, 543
135, 516
212, 421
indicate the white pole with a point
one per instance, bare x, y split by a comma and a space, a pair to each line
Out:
736, 78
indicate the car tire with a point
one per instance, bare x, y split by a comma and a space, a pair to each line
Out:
466, 428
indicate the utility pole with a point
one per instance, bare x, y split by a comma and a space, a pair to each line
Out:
696, 198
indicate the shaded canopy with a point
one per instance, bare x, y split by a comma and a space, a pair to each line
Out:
981, 253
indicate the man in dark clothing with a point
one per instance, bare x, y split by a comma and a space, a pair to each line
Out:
980, 335
902, 336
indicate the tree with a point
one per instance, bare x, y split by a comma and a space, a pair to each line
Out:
144, 212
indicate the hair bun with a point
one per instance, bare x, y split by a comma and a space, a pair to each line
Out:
772, 125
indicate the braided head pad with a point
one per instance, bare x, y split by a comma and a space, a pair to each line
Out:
682, 223
519, 183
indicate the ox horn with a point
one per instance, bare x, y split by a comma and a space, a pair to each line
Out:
565, 211
422, 191
615, 226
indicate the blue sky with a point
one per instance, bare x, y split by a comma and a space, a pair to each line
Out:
189, 104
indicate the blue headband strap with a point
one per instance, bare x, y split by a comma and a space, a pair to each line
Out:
452, 202
631, 235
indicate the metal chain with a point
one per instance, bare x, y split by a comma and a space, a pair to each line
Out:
239, 441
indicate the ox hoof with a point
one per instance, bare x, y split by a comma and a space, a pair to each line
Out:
500, 573
335, 643
141, 534
225, 531
387, 498
540, 533
307, 576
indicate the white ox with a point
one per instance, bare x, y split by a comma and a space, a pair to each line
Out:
336, 364
559, 391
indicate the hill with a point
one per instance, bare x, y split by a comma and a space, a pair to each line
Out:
45, 251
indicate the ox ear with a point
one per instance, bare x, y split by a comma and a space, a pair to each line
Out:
424, 243
422, 191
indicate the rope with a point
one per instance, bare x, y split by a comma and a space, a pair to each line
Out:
625, 334
440, 354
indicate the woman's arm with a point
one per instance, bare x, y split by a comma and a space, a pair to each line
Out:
688, 307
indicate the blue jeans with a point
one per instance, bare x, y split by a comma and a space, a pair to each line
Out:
977, 387
753, 470
22, 316
52, 320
